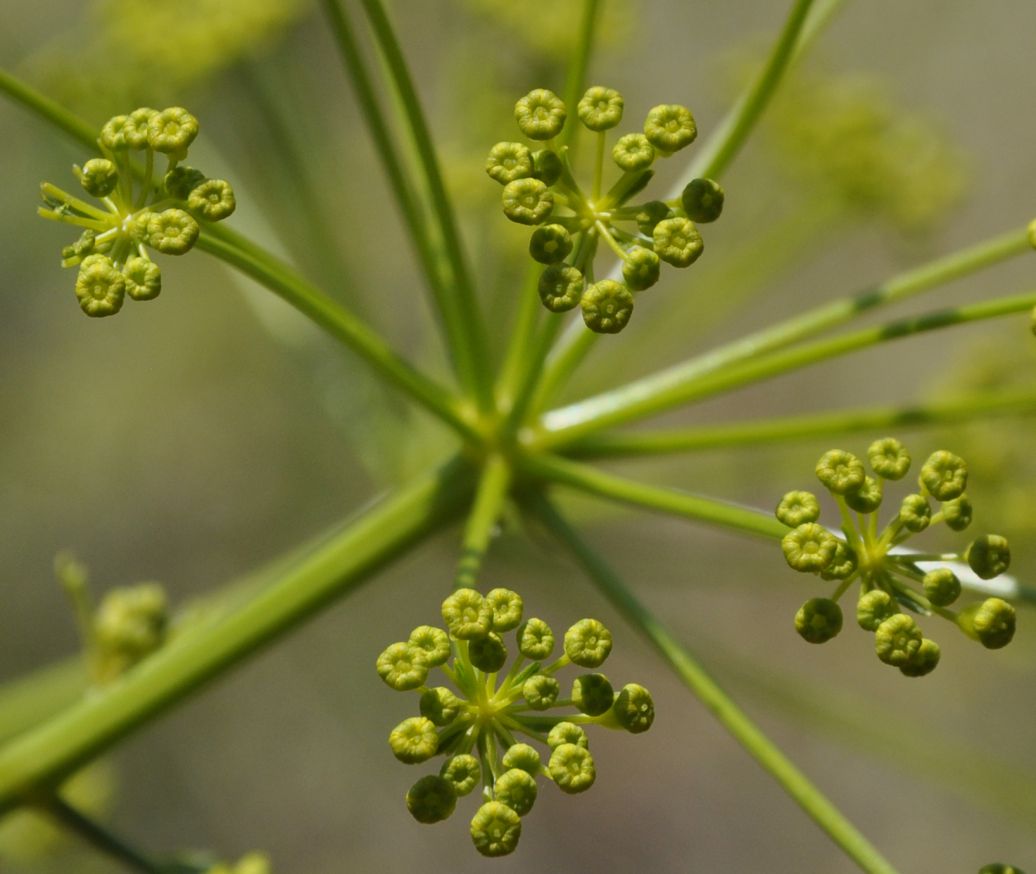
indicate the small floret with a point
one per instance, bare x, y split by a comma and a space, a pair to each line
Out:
172, 130
143, 278
873, 608
431, 799
467, 614
99, 177
522, 756
517, 789
925, 660
527, 201
588, 643
551, 244
889, 459
915, 513
488, 653
213, 199
988, 555
540, 114
957, 513
840, 472
897, 640
843, 564
867, 498
572, 768
540, 691
702, 200
992, 622
440, 705
592, 694
507, 162
941, 586
634, 709
607, 306
462, 772
809, 548
100, 288
495, 829
797, 508
137, 126
431, 644
944, 475
546, 166
402, 667
561, 287
535, 639
172, 231
182, 180
113, 134
670, 127
818, 620
414, 740
640, 268
677, 241
600, 108
633, 152
567, 733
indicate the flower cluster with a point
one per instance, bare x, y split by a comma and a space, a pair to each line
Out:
477, 723
541, 190
892, 580
136, 211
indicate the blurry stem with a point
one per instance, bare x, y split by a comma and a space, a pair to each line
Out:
460, 306
98, 837
341, 324
768, 431
489, 500
730, 716
664, 500
516, 360
667, 388
47, 109
42, 756
575, 79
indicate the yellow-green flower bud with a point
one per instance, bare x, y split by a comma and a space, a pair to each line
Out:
915, 513
670, 127
431, 799
567, 733
925, 660
867, 498
488, 653
991, 623
889, 459
535, 639
945, 475
431, 643
897, 640
957, 513
99, 177
143, 278
843, 564
677, 241
640, 268
100, 288
213, 199
840, 472
600, 108
551, 244
414, 740
440, 705
873, 608
702, 200
546, 166
137, 127
633, 152
809, 548
818, 620
941, 586
607, 306
507, 609
507, 162
572, 768
527, 201
172, 231
113, 133
650, 214
402, 667
540, 114
462, 772
634, 709
522, 756
495, 829
540, 691
797, 508
172, 130
592, 694
988, 555
588, 643
561, 287
517, 789
467, 615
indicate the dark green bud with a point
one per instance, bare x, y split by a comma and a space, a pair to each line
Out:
957, 513
546, 166
592, 694
488, 653
431, 799
867, 498
991, 623
843, 565
640, 268
941, 586
440, 705
702, 200
818, 620
999, 867
650, 214
915, 513
988, 555
607, 306
924, 661
634, 708
550, 244
182, 180
561, 287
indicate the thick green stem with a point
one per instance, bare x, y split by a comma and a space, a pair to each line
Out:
342, 325
671, 501
730, 716
485, 513
701, 378
768, 431
39, 758
461, 308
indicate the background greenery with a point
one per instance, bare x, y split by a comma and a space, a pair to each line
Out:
196, 438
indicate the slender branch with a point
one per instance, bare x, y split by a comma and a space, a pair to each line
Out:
693, 675
575, 78
98, 836
461, 306
743, 520
767, 431
44, 755
489, 500
340, 324
701, 377
43, 107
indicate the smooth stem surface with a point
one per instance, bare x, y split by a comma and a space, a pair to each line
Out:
592, 481
462, 307
489, 501
79, 130
343, 326
767, 431
41, 757
575, 78
730, 716
99, 837
667, 388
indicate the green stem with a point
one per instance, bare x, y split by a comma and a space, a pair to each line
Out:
49, 110
462, 315
99, 837
768, 431
516, 359
42, 756
489, 500
340, 324
730, 716
575, 79
615, 488
685, 383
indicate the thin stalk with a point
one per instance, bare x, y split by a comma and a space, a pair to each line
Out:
516, 359
99, 837
463, 314
693, 675
590, 480
575, 78
342, 325
677, 386
768, 431
489, 500
47, 109
42, 756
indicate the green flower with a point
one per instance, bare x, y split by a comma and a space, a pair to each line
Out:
550, 244
633, 152
897, 640
607, 306
402, 666
467, 614
873, 608
634, 708
640, 268
567, 733
818, 620
540, 114
432, 644
143, 278
797, 508
172, 231
702, 200
527, 201
600, 108
495, 829
809, 548
941, 586
522, 756
213, 199
840, 472
99, 286
888, 458
670, 127
414, 740
561, 287
572, 768
944, 475
431, 799
588, 643
517, 789
677, 241
535, 639
172, 130
507, 162
988, 555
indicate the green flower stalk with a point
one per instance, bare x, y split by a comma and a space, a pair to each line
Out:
477, 721
892, 580
136, 213
540, 187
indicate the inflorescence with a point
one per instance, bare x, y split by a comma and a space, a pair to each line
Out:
137, 211
892, 580
540, 189
477, 723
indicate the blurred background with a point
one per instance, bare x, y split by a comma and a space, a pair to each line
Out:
195, 439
